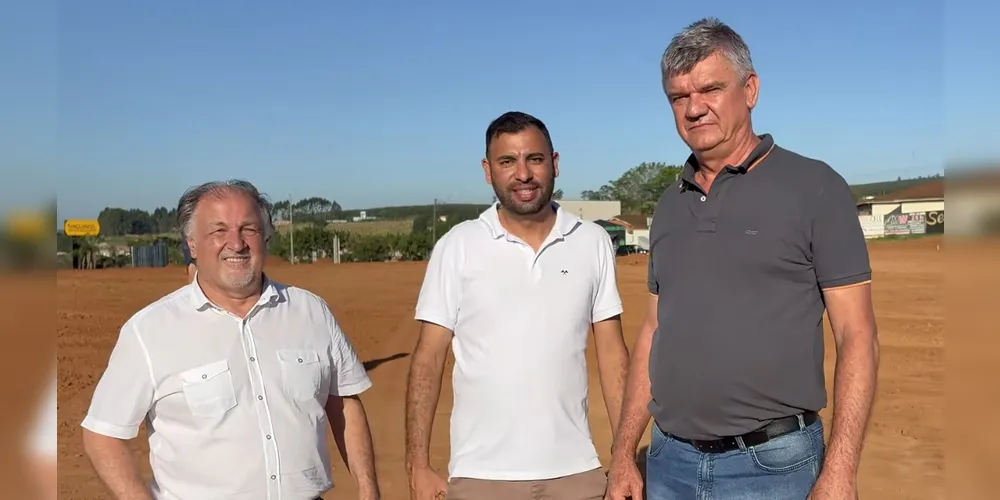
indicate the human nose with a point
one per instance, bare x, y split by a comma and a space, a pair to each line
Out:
235, 240
696, 108
521, 172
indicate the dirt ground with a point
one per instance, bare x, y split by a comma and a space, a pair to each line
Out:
904, 453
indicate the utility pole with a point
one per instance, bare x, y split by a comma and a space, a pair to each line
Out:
291, 231
434, 221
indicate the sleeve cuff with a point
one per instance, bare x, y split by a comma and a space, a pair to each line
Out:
607, 312
110, 430
353, 388
438, 319
844, 281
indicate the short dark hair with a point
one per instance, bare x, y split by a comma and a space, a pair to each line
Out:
513, 122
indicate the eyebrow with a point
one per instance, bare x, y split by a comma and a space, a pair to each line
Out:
717, 84
533, 154
244, 223
712, 85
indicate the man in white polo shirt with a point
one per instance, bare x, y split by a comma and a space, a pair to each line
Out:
236, 376
515, 293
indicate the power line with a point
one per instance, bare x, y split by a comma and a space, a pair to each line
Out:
434, 219
291, 231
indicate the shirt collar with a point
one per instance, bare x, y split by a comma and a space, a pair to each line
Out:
756, 156
271, 294
566, 222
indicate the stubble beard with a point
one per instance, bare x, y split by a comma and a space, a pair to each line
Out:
507, 201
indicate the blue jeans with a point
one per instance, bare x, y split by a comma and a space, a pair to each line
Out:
784, 468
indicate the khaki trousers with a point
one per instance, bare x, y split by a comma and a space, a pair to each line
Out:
589, 485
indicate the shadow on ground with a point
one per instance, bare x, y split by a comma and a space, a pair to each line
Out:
372, 364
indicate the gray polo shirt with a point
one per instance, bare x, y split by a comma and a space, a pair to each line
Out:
738, 272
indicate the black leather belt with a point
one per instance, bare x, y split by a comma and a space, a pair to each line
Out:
773, 430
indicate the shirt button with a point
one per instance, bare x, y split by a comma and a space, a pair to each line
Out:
300, 360
260, 398
273, 476
703, 198
268, 436
253, 358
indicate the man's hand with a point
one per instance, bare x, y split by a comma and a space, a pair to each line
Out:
425, 484
624, 480
831, 486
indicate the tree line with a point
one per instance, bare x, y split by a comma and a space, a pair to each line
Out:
637, 189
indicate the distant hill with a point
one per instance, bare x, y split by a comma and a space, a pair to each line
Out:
411, 211
471, 210
886, 187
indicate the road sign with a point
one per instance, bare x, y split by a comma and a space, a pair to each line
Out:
28, 225
81, 228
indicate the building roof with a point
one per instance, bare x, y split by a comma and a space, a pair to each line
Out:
609, 226
637, 221
930, 190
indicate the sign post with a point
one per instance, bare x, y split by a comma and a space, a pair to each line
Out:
77, 229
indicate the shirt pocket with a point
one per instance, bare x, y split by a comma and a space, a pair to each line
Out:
208, 389
301, 373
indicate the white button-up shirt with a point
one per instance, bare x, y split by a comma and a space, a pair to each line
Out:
234, 407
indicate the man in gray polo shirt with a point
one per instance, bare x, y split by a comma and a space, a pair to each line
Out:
748, 248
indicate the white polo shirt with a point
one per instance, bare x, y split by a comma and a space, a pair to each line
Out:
234, 407
521, 321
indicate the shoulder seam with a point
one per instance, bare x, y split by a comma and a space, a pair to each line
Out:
133, 325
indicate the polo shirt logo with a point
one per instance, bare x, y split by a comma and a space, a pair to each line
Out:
564, 271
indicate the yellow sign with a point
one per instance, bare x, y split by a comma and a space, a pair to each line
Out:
81, 228
28, 225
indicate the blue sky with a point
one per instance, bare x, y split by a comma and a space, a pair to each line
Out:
127, 103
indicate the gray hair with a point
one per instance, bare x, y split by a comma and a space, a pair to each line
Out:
190, 199
700, 40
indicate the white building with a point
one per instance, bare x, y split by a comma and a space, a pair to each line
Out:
592, 210
636, 229
915, 210
926, 197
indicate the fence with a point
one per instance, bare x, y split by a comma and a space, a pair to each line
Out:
900, 224
154, 255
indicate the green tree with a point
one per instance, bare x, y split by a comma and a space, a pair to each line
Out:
639, 188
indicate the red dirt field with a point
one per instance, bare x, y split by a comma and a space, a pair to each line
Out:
904, 452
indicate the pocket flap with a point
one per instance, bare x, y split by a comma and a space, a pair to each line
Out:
205, 372
297, 356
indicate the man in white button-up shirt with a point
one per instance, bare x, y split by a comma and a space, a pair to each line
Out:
515, 294
236, 376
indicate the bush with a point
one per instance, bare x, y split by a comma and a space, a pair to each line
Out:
354, 247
